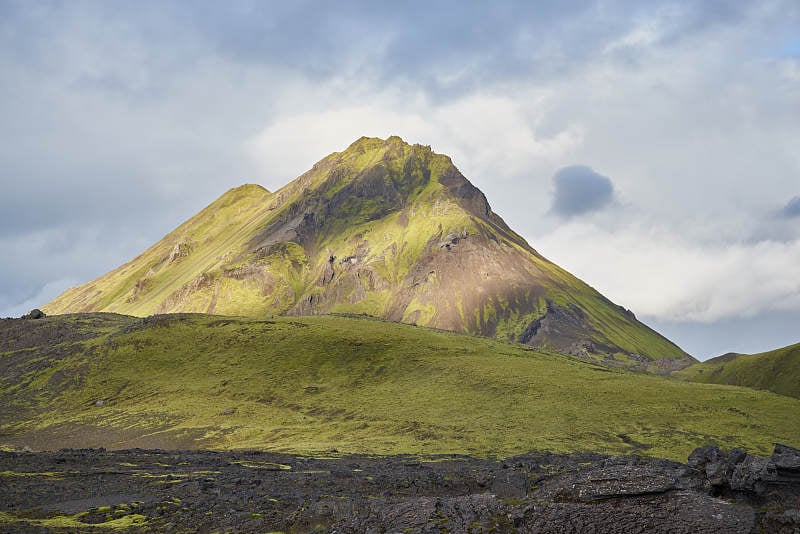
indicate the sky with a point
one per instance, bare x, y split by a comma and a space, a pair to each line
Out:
650, 148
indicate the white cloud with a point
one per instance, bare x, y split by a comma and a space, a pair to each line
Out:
663, 275
291, 145
489, 137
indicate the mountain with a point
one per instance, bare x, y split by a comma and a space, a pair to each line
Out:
385, 229
777, 370
312, 384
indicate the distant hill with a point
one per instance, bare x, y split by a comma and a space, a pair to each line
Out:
777, 370
317, 384
383, 228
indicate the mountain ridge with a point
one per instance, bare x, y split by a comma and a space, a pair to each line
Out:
775, 370
382, 228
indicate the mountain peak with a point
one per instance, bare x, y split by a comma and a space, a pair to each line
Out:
383, 228
395, 171
244, 191
393, 142
365, 143
367, 152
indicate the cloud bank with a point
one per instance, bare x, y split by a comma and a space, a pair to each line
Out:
669, 278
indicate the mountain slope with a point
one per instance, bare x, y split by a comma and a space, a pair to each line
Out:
777, 370
386, 229
312, 384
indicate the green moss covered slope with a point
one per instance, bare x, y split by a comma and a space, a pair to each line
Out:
386, 229
312, 384
777, 370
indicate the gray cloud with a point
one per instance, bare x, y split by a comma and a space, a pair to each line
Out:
579, 190
445, 48
780, 224
792, 208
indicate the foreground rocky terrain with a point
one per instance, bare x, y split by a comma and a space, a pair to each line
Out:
204, 491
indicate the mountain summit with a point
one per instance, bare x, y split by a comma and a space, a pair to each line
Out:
383, 228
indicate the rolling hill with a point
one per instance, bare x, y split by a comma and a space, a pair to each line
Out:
317, 384
385, 229
777, 370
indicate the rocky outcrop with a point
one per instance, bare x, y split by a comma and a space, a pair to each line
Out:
717, 491
560, 327
180, 250
738, 475
35, 313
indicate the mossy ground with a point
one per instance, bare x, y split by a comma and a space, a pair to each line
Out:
72, 523
315, 384
777, 371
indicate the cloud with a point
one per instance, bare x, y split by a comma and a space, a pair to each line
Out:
467, 129
792, 208
39, 264
662, 274
44, 294
579, 190
292, 144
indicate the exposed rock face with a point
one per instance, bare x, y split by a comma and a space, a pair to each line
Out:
383, 228
567, 328
731, 492
740, 475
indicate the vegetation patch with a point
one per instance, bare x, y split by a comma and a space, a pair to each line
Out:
777, 371
314, 385
72, 522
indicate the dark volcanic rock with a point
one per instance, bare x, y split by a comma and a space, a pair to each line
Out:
35, 313
755, 480
203, 491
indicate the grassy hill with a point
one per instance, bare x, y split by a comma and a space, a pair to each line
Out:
316, 384
382, 228
776, 370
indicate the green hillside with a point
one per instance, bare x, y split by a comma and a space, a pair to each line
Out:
383, 228
776, 370
315, 384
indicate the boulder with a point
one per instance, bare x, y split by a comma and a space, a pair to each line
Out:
35, 313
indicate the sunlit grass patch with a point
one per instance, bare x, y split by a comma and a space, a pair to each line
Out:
317, 384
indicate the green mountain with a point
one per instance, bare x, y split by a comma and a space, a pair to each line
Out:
777, 370
312, 384
385, 229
